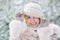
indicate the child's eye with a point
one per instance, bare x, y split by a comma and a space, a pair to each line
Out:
28, 17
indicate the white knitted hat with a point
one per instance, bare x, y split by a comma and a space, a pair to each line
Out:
34, 10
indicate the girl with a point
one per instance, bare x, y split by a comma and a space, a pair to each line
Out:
32, 25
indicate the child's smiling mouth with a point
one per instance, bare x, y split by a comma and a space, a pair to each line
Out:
32, 24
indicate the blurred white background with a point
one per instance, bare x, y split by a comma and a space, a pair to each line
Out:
8, 9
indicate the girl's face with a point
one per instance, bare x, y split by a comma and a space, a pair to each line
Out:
32, 21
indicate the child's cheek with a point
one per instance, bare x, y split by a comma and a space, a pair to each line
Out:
28, 21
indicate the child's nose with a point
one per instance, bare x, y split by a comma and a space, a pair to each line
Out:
32, 20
